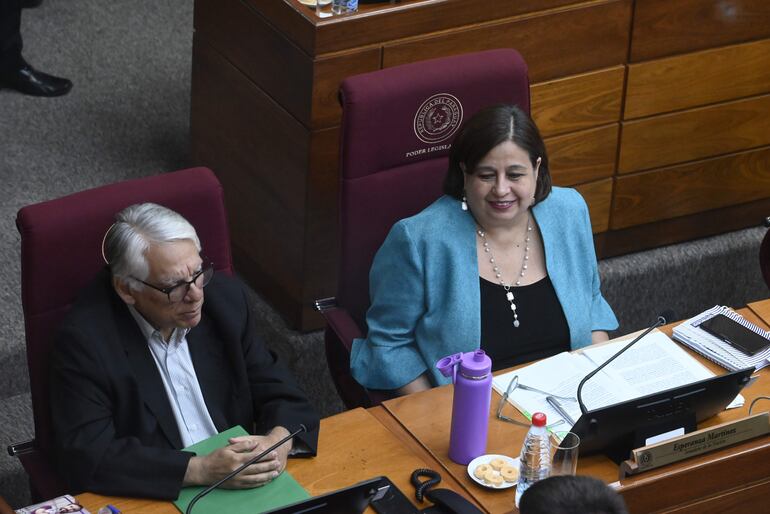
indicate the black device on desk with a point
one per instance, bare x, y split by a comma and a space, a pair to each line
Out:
617, 429
353, 499
384, 497
735, 334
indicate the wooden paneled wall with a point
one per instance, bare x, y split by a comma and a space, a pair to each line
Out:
657, 111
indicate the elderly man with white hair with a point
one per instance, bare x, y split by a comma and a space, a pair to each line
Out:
143, 367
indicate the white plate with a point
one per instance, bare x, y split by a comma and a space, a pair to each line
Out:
486, 459
312, 3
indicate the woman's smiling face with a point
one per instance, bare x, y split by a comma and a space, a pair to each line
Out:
501, 187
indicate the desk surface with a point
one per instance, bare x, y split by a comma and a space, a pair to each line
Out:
432, 431
412, 432
352, 446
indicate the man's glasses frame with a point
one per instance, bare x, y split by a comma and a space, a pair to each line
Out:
204, 274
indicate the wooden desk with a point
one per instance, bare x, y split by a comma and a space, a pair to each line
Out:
761, 310
412, 432
717, 482
352, 446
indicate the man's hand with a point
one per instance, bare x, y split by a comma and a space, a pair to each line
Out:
216, 465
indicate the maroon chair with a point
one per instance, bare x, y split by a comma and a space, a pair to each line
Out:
61, 252
397, 127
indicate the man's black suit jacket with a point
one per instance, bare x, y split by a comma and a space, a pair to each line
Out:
115, 430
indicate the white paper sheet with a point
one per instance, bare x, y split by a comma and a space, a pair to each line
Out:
653, 364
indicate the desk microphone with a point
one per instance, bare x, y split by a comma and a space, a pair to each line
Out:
302, 428
662, 320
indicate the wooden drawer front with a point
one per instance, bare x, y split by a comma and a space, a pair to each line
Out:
695, 134
306, 89
699, 78
380, 22
668, 27
751, 498
251, 44
578, 102
717, 473
583, 156
555, 44
598, 196
405, 20
691, 188
322, 215
328, 74
243, 132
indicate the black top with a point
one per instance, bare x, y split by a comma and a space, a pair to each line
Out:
542, 330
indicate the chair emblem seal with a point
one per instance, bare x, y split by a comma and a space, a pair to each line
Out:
438, 118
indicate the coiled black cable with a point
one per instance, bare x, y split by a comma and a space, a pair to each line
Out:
422, 487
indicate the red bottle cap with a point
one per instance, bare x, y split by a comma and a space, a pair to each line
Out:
538, 419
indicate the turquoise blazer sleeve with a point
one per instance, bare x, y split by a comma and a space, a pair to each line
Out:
424, 299
396, 283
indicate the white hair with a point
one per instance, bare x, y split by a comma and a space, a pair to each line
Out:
137, 227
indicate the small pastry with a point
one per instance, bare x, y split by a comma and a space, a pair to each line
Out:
497, 464
493, 478
509, 473
481, 470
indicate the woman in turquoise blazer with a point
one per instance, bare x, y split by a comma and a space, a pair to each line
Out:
500, 222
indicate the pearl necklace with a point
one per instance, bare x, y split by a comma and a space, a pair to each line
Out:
498, 273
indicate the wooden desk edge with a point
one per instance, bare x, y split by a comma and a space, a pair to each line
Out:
387, 419
761, 309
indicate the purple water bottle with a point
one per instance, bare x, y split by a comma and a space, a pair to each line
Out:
472, 378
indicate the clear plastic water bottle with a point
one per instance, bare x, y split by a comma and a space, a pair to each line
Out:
535, 460
344, 6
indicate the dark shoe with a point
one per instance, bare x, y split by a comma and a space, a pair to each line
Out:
28, 4
29, 81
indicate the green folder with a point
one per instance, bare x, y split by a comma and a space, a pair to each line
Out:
284, 490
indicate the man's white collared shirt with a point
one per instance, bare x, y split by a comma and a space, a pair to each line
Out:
180, 381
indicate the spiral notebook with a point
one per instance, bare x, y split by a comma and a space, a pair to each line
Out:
711, 347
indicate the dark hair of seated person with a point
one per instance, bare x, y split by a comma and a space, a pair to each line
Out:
485, 130
571, 495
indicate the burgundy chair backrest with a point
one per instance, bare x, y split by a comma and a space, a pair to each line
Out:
397, 127
61, 252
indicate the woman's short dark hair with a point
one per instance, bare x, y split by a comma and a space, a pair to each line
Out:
484, 131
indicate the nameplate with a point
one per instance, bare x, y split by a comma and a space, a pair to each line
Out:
695, 443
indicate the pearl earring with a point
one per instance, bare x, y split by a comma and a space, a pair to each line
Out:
464, 204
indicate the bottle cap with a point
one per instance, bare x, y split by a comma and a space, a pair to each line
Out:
447, 364
475, 364
538, 419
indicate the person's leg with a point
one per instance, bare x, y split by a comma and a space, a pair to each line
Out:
10, 35
15, 73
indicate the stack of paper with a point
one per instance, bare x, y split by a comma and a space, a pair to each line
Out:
716, 350
653, 364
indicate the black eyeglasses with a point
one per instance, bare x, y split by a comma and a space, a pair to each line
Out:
512, 386
178, 291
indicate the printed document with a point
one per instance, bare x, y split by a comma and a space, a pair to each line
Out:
653, 364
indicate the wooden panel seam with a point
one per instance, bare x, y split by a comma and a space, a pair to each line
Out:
577, 102
722, 128
700, 78
703, 184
